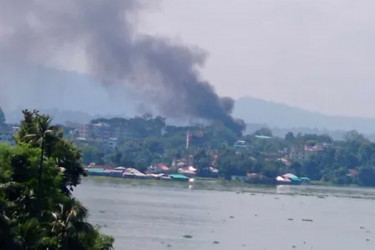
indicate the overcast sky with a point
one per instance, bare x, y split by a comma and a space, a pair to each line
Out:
315, 54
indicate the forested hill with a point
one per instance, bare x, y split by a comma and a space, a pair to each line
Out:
254, 110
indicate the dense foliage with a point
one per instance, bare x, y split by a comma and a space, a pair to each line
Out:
150, 140
37, 210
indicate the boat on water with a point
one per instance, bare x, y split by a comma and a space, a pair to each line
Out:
291, 179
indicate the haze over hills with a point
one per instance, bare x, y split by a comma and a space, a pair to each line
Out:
66, 95
70, 96
253, 110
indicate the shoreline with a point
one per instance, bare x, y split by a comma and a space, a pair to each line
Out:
216, 184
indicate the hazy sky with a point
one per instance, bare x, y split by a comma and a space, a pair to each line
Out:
315, 54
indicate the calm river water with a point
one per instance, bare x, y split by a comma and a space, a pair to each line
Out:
181, 217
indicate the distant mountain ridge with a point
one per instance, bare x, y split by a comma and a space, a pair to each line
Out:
255, 112
258, 111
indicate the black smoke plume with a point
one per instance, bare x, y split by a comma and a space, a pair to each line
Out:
104, 33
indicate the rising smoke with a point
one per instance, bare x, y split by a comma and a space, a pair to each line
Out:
103, 34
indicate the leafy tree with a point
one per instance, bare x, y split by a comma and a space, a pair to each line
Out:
354, 136
36, 212
297, 168
202, 161
366, 176
218, 134
316, 138
264, 131
272, 169
36, 130
340, 176
290, 138
232, 162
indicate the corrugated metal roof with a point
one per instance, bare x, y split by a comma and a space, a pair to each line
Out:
95, 170
178, 176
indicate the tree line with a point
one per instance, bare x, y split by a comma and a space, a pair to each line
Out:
151, 140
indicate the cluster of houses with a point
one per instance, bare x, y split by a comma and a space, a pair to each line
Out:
163, 172
285, 179
296, 153
181, 170
158, 171
105, 137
